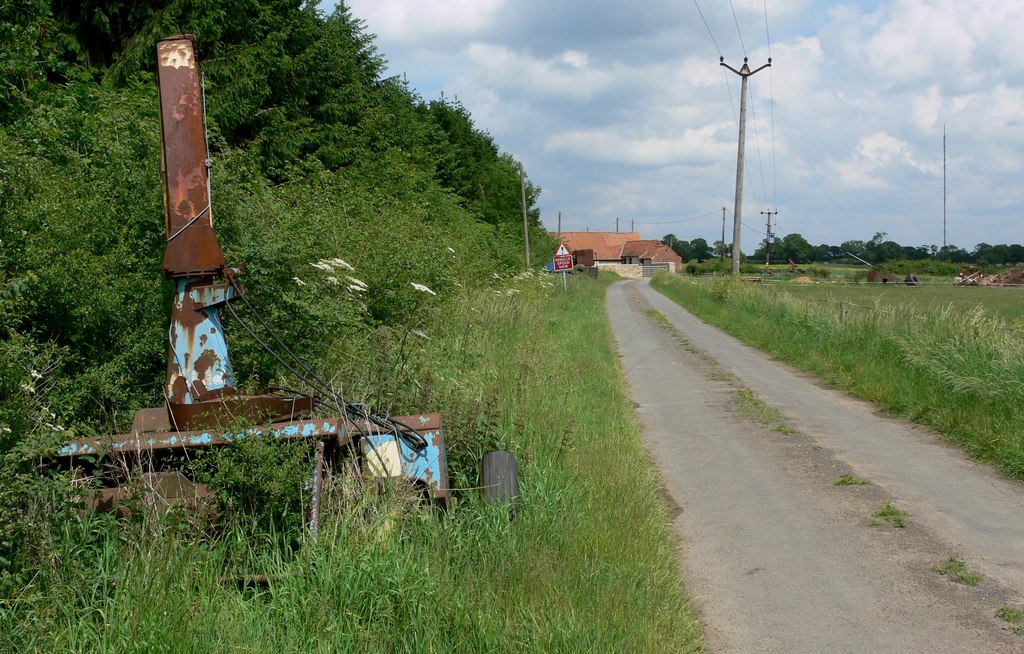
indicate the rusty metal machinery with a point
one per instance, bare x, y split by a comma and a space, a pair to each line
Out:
200, 391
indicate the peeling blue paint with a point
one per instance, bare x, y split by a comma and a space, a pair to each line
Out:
428, 466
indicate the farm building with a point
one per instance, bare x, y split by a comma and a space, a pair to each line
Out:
624, 250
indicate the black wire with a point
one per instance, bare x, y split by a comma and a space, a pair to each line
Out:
418, 445
707, 27
737, 21
324, 386
413, 439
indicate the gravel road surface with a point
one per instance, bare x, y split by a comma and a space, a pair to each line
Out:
776, 556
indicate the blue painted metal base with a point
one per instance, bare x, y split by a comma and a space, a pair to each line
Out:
388, 455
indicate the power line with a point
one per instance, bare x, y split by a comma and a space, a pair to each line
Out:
707, 27
737, 21
756, 230
771, 108
725, 75
767, 36
757, 146
681, 220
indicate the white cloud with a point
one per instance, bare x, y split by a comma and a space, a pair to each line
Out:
575, 58
627, 113
917, 38
567, 75
876, 162
405, 20
696, 146
927, 107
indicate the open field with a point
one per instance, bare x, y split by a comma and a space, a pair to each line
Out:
916, 355
1005, 302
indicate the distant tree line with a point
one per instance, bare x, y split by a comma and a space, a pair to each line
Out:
880, 249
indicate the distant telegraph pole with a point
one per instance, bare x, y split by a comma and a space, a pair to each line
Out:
943, 186
526, 230
768, 237
744, 72
722, 251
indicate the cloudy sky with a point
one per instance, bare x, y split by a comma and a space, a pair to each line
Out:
620, 109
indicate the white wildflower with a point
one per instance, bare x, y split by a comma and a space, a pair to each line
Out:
422, 289
339, 263
419, 332
333, 280
359, 284
495, 275
322, 265
298, 281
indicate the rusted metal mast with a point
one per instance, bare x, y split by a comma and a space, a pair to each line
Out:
200, 393
200, 386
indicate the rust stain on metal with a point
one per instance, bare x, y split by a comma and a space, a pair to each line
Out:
192, 248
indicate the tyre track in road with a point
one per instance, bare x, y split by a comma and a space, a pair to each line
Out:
776, 557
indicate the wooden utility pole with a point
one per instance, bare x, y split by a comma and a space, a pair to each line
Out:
744, 72
526, 230
722, 251
559, 223
768, 238
632, 225
616, 225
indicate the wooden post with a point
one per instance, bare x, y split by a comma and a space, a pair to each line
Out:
526, 230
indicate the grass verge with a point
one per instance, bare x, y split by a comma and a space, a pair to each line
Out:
587, 565
961, 372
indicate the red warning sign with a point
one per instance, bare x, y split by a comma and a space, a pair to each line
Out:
563, 260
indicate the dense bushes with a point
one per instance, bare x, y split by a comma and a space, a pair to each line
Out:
341, 193
930, 267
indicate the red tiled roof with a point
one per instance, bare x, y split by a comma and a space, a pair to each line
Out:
607, 246
655, 251
664, 254
640, 248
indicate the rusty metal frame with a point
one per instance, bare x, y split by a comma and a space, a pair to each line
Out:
427, 467
200, 393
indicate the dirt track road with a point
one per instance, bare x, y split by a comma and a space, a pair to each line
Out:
776, 556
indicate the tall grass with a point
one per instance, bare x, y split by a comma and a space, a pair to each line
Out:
587, 564
958, 371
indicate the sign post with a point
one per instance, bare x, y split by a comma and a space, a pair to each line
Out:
563, 262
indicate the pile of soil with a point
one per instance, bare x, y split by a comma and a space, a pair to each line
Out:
803, 280
1012, 276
